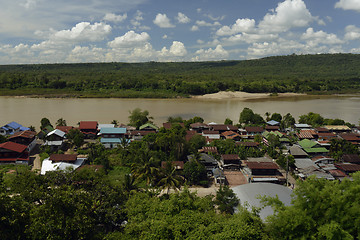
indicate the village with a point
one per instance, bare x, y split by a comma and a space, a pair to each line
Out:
271, 151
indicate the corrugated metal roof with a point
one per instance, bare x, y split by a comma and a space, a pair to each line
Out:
112, 130
24, 134
88, 125
63, 157
262, 165
56, 132
15, 147
110, 140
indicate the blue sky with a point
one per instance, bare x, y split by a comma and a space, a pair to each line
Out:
51, 31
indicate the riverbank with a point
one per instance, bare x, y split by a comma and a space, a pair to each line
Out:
246, 96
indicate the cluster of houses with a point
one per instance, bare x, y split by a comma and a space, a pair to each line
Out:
310, 149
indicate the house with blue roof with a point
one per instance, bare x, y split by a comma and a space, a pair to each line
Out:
11, 128
112, 137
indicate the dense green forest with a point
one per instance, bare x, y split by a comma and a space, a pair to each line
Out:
323, 73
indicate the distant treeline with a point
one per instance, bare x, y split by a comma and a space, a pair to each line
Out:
323, 73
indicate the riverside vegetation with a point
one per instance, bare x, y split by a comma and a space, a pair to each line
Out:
316, 74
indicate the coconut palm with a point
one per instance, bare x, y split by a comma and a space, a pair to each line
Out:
145, 170
61, 122
170, 178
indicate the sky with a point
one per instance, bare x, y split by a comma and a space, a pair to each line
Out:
72, 31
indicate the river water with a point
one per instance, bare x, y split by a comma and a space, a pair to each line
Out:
29, 111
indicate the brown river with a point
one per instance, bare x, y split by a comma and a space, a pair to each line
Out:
29, 111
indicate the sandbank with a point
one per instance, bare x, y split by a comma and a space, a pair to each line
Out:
245, 96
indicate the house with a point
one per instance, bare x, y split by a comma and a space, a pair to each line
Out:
338, 128
351, 158
306, 134
219, 176
112, 137
55, 139
208, 150
199, 127
302, 126
62, 162
43, 132
65, 129
351, 137
211, 134
11, 128
273, 123
231, 161
207, 160
264, 172
297, 152
271, 128
231, 135
11, 152
138, 135
326, 136
148, 127
89, 129
224, 127
282, 138
105, 125
252, 131
348, 168
27, 138
312, 147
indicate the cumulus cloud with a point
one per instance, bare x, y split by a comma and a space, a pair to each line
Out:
352, 32
129, 40
203, 23
111, 17
287, 15
182, 18
194, 28
219, 53
241, 25
315, 38
86, 54
163, 21
136, 20
84, 31
348, 5
250, 38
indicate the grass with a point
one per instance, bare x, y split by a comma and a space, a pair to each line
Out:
117, 174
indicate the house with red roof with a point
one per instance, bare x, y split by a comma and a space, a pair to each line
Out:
11, 152
89, 129
27, 138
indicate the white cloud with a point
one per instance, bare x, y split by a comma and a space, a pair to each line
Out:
86, 54
164, 36
84, 31
29, 4
203, 23
182, 18
352, 32
129, 40
178, 49
194, 28
287, 15
250, 38
111, 17
163, 21
219, 53
348, 5
241, 25
284, 46
320, 37
138, 17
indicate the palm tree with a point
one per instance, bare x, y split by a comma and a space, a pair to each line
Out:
61, 122
145, 170
129, 183
170, 179
267, 114
115, 122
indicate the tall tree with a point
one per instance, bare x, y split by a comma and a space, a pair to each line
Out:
138, 117
44, 123
61, 122
226, 200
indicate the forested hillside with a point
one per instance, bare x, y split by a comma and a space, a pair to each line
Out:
323, 73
